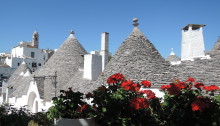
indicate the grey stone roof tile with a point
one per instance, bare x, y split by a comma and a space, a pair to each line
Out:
78, 83
173, 58
15, 77
65, 61
22, 89
138, 59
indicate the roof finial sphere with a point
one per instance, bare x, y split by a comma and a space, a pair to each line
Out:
135, 20
71, 32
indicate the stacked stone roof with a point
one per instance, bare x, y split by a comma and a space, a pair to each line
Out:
78, 83
2, 65
215, 51
138, 59
17, 75
206, 70
203, 70
66, 61
24, 83
173, 57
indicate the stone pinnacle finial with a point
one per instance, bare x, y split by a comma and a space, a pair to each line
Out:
71, 32
172, 53
135, 20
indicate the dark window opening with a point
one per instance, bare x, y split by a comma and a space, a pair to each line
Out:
18, 64
34, 64
39, 64
32, 54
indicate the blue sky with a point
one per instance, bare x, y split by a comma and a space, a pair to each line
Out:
160, 20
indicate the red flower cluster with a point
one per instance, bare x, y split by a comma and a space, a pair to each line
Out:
130, 85
164, 87
198, 85
173, 89
139, 103
80, 109
211, 88
190, 79
115, 78
184, 85
150, 94
200, 104
146, 83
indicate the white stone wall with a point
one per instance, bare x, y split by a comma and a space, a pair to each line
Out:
31, 100
192, 44
21, 52
175, 62
29, 61
17, 51
92, 66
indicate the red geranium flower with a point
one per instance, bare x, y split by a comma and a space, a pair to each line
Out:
80, 109
198, 85
130, 85
139, 103
119, 77
115, 78
184, 85
150, 94
211, 88
174, 89
200, 104
163, 87
190, 79
146, 83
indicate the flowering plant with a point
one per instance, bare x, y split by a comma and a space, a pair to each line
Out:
70, 105
188, 103
123, 102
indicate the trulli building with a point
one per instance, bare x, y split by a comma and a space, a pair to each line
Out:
136, 58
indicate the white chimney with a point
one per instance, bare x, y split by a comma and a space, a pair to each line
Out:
104, 49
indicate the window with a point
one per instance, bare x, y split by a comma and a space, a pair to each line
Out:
39, 64
32, 54
34, 64
18, 64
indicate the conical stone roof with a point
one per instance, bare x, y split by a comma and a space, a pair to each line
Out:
78, 83
216, 47
215, 51
65, 61
206, 71
138, 59
172, 57
16, 76
24, 83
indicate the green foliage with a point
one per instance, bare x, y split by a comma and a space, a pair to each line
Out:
177, 110
70, 105
10, 116
40, 119
113, 107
